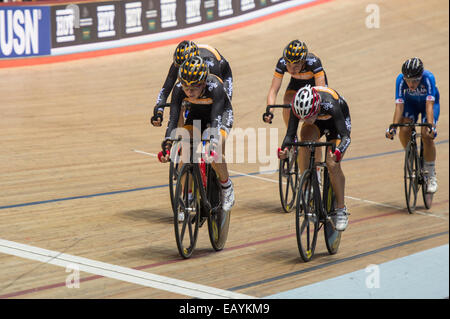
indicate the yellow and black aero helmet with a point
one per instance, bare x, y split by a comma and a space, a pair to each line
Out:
184, 51
193, 71
295, 51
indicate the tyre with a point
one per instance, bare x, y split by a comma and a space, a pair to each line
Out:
306, 217
186, 211
174, 170
218, 220
411, 177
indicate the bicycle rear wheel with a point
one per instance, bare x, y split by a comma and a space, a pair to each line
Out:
332, 236
186, 211
411, 176
218, 220
307, 217
288, 180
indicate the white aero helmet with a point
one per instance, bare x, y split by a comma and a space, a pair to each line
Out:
306, 102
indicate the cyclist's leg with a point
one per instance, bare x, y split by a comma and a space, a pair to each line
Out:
308, 132
220, 165
337, 177
429, 149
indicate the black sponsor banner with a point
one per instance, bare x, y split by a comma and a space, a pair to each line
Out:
89, 22
85, 22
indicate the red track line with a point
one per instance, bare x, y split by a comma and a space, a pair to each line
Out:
19, 62
261, 242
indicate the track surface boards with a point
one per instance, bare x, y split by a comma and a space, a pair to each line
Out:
71, 182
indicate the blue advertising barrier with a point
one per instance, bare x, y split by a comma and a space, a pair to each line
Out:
24, 31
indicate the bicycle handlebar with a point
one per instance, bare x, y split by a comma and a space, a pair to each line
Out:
394, 125
277, 106
312, 144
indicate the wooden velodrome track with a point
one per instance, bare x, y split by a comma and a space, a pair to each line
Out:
71, 183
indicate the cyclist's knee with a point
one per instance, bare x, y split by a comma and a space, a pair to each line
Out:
332, 165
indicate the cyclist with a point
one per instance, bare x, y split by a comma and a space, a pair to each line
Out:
210, 104
323, 111
217, 64
416, 93
304, 68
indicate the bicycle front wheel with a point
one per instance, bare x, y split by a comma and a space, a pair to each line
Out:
174, 170
307, 217
186, 211
288, 180
411, 177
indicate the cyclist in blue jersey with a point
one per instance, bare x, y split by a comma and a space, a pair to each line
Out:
416, 93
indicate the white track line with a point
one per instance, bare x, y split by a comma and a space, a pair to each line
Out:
117, 272
145, 153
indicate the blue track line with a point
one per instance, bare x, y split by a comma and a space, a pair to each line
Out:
166, 185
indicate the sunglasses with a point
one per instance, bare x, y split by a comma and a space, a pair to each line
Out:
414, 80
193, 86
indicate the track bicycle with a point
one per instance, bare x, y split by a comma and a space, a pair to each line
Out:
414, 174
197, 198
287, 172
315, 205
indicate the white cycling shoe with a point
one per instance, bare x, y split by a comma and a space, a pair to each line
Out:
228, 198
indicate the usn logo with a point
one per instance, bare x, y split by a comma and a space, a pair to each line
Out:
24, 31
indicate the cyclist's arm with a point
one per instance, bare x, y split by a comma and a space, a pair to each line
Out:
398, 113
227, 77
175, 109
429, 108
168, 85
217, 109
319, 73
342, 129
291, 130
320, 80
274, 88
431, 93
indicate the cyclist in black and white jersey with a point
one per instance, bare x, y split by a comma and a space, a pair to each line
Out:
217, 65
304, 67
324, 112
208, 103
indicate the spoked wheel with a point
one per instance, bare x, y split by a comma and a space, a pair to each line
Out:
288, 180
218, 220
306, 217
174, 170
332, 236
186, 212
411, 175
